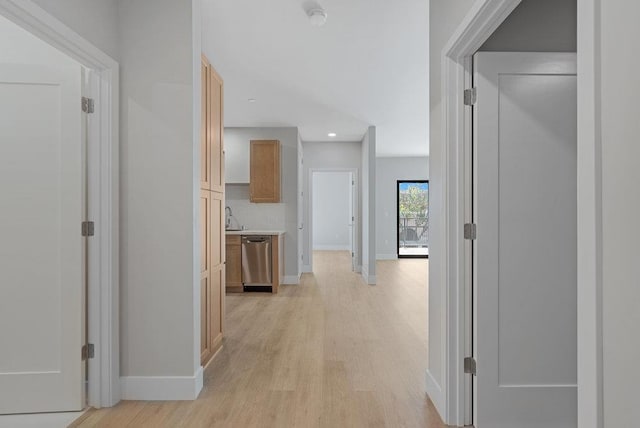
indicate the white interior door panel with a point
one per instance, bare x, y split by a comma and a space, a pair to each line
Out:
41, 247
525, 140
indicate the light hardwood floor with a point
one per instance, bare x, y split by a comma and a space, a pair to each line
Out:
330, 352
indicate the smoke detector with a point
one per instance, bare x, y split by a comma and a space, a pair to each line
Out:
317, 16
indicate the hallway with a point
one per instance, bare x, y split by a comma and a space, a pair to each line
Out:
331, 352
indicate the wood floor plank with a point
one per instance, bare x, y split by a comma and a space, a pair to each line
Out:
330, 352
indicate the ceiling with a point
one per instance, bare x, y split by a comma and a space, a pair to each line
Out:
368, 65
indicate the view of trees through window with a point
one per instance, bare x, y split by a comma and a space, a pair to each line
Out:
413, 218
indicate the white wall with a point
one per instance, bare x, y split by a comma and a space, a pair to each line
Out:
157, 207
159, 149
18, 46
331, 155
331, 209
282, 216
237, 151
388, 172
254, 216
537, 26
369, 206
620, 127
444, 18
94, 20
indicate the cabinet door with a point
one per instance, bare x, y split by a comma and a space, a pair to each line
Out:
212, 212
217, 305
205, 139
217, 270
216, 130
264, 183
205, 276
234, 264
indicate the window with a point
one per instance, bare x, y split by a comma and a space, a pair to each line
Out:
413, 218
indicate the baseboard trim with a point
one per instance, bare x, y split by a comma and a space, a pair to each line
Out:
434, 392
306, 269
291, 280
332, 248
369, 279
386, 257
162, 388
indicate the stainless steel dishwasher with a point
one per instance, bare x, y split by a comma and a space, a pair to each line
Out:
256, 260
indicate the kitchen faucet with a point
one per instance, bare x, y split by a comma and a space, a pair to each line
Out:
228, 214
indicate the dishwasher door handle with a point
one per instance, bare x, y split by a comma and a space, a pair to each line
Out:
257, 240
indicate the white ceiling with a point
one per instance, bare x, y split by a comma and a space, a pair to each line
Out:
368, 65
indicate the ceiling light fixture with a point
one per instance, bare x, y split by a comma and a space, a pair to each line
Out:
332, 134
252, 100
317, 16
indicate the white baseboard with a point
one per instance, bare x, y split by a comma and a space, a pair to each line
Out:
162, 388
358, 269
291, 280
369, 279
434, 392
386, 257
306, 269
332, 247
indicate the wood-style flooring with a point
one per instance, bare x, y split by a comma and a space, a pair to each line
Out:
330, 352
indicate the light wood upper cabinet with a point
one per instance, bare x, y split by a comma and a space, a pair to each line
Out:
216, 130
264, 186
205, 146
211, 130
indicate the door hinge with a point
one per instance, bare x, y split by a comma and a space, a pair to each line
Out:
470, 96
353, 254
88, 228
470, 231
88, 351
88, 105
470, 366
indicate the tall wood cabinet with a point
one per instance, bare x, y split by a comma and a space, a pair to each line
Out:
212, 242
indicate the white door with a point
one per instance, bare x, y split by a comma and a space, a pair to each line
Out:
41, 247
525, 195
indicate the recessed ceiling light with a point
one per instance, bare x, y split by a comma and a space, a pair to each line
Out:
317, 16
252, 100
332, 134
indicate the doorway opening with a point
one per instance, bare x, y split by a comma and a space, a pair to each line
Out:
333, 212
413, 218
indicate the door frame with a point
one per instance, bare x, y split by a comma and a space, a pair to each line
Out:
452, 398
356, 222
103, 193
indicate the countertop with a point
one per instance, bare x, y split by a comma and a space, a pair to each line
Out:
255, 232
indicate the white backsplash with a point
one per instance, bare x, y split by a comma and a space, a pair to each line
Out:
253, 216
